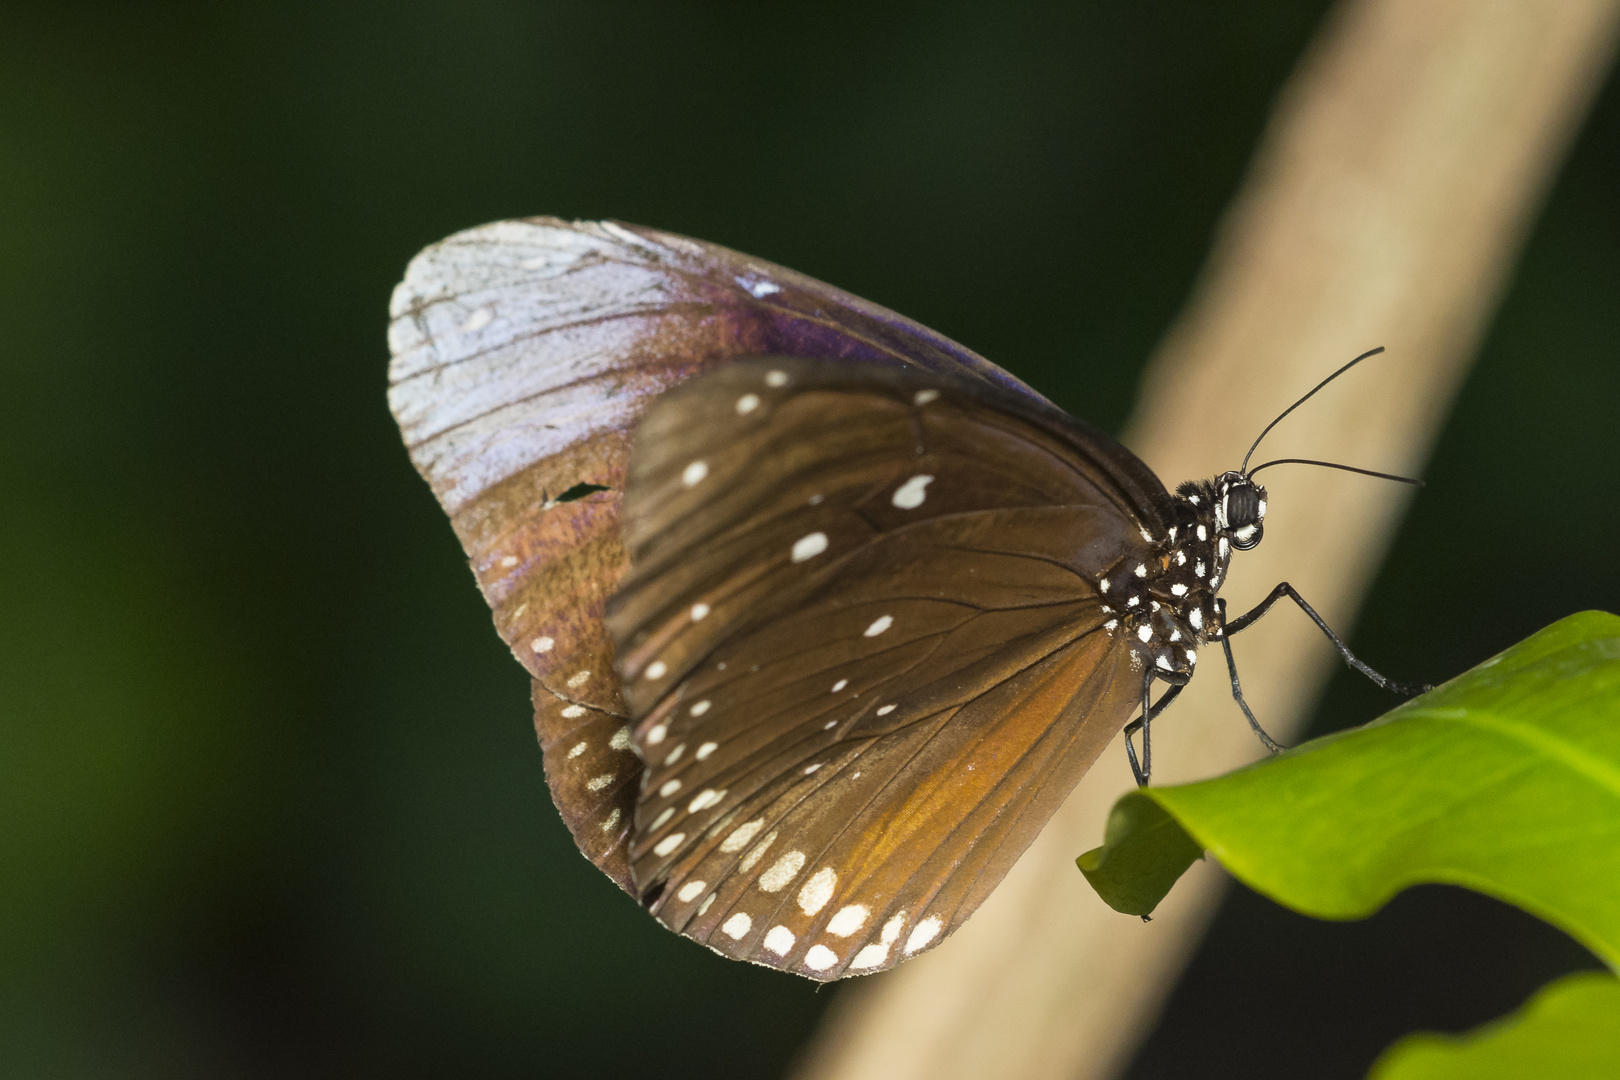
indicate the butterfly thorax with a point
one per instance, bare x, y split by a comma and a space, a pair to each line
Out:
1163, 604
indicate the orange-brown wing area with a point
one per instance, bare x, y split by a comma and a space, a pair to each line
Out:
865, 651
524, 352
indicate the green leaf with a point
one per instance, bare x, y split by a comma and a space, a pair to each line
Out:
1144, 852
1505, 780
1569, 1030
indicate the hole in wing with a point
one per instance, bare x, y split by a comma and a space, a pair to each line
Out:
579, 491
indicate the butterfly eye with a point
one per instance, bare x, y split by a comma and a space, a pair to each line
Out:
1241, 508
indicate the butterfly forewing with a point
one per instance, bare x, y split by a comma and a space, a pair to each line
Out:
865, 650
524, 352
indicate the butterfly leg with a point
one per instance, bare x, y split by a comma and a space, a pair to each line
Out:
1244, 621
1149, 711
1237, 689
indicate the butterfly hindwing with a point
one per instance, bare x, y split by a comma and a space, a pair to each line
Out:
865, 650
524, 353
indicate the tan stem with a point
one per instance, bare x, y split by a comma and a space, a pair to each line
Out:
1387, 202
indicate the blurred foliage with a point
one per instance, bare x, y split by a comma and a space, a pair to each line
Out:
271, 800
1567, 1030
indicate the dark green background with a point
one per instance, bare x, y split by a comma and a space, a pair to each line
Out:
270, 803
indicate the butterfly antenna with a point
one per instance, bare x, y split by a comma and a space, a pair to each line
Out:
1335, 465
1244, 468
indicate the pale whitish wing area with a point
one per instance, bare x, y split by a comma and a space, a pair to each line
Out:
523, 353
866, 652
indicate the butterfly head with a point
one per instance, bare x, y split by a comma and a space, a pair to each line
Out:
1240, 509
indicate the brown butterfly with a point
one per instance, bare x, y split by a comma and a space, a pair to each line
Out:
815, 663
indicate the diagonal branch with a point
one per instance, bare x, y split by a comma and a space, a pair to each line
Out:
1387, 202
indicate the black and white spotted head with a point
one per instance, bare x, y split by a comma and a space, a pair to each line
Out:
1240, 509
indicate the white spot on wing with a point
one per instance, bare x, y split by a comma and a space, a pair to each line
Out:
706, 798
755, 853
886, 710
656, 670
776, 378
747, 404
839, 685
1178, 589
741, 835
571, 712
880, 624
1196, 617
509, 562
926, 931
759, 288
1144, 633
694, 473
782, 871
675, 755
820, 958
597, 783
923, 397
663, 818
848, 920
808, 547
621, 738
705, 750
542, 644
611, 820
736, 926
700, 612
869, 957
673, 841
910, 495
669, 788
703, 908
656, 735
779, 940
700, 708
579, 748
691, 891
818, 890
892, 928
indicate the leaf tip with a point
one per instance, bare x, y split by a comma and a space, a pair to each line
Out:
1144, 852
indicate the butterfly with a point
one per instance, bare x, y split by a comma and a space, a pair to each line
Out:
826, 614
